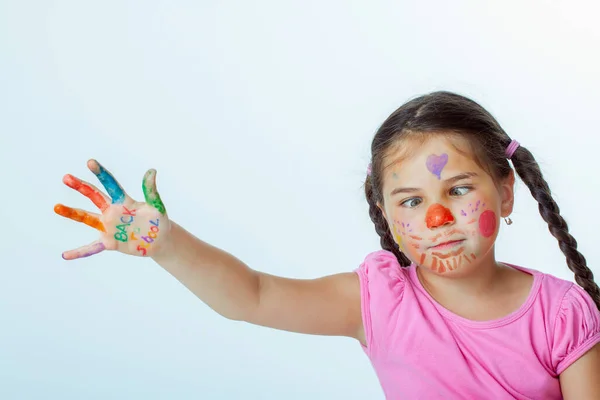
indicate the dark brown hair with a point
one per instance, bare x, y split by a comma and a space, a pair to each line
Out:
448, 113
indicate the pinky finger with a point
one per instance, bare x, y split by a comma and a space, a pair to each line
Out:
84, 251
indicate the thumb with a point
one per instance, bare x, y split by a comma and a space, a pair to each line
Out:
151, 193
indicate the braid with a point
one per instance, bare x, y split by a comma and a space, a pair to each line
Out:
529, 171
381, 226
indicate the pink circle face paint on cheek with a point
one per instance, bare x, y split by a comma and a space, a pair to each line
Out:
487, 223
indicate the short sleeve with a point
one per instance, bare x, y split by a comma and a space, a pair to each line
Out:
576, 330
382, 282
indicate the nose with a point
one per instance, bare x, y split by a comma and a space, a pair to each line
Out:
438, 215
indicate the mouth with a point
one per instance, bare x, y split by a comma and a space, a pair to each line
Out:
447, 245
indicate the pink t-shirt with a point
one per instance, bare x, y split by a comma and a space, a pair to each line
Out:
420, 350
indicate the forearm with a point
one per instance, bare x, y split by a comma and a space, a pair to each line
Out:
220, 280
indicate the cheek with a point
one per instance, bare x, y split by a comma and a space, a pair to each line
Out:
480, 219
479, 222
487, 223
407, 231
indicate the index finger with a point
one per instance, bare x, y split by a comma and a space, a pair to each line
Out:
113, 188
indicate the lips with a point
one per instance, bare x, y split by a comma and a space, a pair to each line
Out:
449, 244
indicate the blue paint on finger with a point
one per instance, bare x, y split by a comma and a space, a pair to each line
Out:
111, 185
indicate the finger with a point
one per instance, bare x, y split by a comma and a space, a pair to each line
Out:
90, 219
88, 190
151, 193
84, 251
115, 191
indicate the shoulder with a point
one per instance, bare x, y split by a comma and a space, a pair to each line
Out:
380, 266
549, 290
575, 323
577, 314
561, 298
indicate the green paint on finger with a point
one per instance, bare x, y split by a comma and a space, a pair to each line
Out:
151, 194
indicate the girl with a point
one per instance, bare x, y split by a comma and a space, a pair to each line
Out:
434, 311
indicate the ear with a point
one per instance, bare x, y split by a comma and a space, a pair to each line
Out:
507, 193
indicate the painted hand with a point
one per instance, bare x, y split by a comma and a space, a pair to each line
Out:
125, 225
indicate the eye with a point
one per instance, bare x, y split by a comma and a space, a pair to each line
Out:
412, 202
460, 190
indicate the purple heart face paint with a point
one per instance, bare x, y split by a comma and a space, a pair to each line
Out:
442, 207
435, 164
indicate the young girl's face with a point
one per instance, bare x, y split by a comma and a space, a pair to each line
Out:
442, 208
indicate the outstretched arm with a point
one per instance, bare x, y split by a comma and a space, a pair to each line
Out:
325, 306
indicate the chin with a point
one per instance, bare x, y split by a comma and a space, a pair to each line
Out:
464, 260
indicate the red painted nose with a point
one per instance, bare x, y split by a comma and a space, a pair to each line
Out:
438, 215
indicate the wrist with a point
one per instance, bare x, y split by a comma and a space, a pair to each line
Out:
167, 245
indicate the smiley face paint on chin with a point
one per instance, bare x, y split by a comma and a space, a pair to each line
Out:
446, 261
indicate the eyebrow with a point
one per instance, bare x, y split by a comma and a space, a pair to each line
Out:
459, 177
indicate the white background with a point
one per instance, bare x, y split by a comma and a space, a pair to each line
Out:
258, 117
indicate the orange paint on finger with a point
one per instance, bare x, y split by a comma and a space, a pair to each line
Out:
80, 216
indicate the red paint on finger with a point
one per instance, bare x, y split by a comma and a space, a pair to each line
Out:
86, 190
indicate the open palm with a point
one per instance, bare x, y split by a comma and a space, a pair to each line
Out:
125, 225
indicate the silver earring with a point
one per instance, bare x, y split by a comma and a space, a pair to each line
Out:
508, 221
